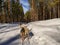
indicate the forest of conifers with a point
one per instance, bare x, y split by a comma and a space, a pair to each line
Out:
12, 11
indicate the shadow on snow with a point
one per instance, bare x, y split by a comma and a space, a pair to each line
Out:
9, 41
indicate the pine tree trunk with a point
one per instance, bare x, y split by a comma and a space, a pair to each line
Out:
8, 10
44, 12
59, 9
3, 13
34, 11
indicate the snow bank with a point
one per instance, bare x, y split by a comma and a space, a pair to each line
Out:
45, 33
50, 22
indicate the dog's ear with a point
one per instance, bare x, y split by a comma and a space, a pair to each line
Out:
23, 25
30, 29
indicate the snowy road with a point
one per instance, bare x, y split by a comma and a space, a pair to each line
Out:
9, 34
45, 33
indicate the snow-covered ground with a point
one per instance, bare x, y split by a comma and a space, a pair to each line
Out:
45, 33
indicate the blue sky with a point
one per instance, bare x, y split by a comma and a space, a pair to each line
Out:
25, 5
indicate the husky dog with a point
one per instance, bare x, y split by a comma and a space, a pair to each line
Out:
24, 33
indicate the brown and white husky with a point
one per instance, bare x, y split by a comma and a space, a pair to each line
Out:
24, 33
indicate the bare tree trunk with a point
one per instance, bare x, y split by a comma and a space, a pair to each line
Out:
3, 13
54, 12
59, 9
44, 12
8, 10
34, 11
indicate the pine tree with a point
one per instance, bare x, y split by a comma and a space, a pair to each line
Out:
17, 11
33, 10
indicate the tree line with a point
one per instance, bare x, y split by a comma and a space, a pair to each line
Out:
12, 11
44, 9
